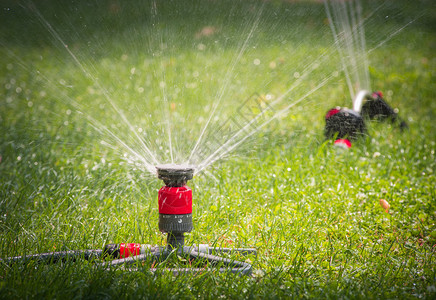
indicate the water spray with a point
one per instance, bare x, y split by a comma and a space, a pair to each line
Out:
175, 219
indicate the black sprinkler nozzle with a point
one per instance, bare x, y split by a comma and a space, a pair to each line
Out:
175, 175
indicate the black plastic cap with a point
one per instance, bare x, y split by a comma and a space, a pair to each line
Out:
175, 175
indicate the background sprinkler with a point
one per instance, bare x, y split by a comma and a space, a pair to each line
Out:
345, 125
377, 108
175, 218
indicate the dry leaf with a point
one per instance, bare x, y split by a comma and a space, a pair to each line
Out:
385, 205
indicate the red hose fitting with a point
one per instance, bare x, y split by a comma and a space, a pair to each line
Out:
175, 200
343, 143
130, 249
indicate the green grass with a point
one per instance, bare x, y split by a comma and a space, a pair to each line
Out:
312, 211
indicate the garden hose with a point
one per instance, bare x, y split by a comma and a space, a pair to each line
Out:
127, 254
54, 257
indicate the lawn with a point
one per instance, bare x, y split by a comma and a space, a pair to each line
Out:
93, 94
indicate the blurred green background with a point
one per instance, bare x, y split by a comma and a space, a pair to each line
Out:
73, 72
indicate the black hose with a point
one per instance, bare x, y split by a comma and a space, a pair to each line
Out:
53, 257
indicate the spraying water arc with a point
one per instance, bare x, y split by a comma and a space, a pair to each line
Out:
360, 97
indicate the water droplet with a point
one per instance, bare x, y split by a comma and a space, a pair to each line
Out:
256, 61
296, 75
30, 103
68, 112
18, 158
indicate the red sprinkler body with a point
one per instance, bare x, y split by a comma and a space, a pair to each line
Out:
175, 200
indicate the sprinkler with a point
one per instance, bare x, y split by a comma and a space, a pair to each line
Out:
345, 125
175, 219
377, 108
175, 203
